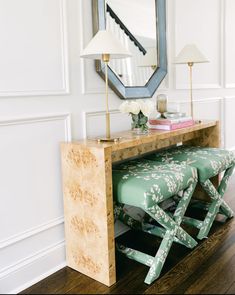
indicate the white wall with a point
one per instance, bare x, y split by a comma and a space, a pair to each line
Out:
43, 81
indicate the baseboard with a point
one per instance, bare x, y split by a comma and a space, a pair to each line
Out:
33, 269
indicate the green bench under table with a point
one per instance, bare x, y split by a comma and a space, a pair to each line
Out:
146, 184
209, 162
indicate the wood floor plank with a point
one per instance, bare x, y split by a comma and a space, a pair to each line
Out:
222, 280
58, 283
231, 290
219, 271
209, 279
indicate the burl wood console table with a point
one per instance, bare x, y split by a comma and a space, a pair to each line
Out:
88, 199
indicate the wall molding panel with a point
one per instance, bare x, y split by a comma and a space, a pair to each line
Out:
91, 82
229, 41
31, 243
230, 85
229, 106
197, 33
39, 118
185, 86
121, 121
37, 89
33, 269
29, 233
118, 120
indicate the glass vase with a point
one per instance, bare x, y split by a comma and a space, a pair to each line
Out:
139, 123
139, 131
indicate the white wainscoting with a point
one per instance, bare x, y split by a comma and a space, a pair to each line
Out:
92, 119
31, 220
187, 15
229, 126
39, 66
207, 108
229, 44
91, 82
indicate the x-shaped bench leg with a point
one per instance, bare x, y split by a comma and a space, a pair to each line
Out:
216, 204
173, 229
124, 217
134, 224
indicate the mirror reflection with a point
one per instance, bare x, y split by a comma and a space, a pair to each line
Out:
134, 24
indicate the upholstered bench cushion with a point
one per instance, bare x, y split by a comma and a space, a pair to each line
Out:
208, 161
143, 183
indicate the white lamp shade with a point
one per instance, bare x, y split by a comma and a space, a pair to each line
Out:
104, 42
190, 53
149, 59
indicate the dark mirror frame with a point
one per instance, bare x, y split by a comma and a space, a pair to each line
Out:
134, 92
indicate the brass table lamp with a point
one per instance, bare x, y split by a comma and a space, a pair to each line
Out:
190, 55
105, 46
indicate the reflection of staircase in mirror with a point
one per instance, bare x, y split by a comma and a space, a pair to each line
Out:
128, 70
125, 29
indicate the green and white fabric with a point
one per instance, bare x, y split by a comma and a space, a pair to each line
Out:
146, 184
143, 182
209, 162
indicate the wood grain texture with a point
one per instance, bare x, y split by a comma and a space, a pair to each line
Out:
129, 139
210, 137
88, 208
88, 199
231, 289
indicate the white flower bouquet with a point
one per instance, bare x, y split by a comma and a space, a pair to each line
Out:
139, 111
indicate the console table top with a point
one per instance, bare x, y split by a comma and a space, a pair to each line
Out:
129, 139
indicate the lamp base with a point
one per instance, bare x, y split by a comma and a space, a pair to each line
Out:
110, 139
197, 121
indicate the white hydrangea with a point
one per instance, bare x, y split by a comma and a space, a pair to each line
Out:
130, 107
125, 107
146, 107
135, 106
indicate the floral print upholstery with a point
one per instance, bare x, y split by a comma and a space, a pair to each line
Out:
208, 161
143, 183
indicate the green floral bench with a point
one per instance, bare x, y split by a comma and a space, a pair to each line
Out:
146, 184
209, 162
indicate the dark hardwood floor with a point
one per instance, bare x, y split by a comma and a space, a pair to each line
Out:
208, 269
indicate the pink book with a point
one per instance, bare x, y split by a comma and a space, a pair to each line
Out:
169, 121
173, 126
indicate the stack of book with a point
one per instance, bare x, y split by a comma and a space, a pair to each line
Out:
170, 124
